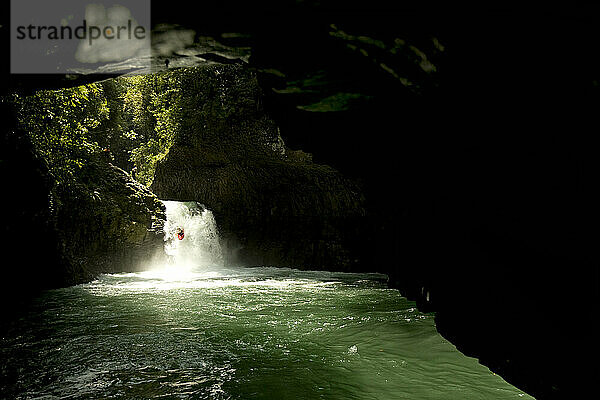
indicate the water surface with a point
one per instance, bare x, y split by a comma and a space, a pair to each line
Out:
235, 333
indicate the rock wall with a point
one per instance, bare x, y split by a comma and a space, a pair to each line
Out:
28, 241
117, 225
274, 205
481, 192
55, 235
482, 184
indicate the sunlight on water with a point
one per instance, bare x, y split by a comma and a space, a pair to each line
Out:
195, 329
237, 333
200, 245
169, 278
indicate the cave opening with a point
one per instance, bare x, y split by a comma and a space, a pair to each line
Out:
346, 194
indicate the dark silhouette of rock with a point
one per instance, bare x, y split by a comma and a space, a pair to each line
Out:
228, 155
67, 234
478, 176
219, 59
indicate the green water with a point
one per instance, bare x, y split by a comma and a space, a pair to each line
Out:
259, 333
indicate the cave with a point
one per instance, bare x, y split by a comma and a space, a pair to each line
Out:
302, 199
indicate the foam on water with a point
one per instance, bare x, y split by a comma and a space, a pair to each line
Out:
237, 333
200, 246
196, 328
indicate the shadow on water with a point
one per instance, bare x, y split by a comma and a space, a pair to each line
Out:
238, 333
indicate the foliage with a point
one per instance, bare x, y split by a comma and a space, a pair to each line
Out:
132, 120
152, 103
60, 124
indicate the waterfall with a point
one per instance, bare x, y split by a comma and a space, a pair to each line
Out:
200, 246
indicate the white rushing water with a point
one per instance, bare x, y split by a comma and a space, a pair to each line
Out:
200, 246
198, 329
236, 334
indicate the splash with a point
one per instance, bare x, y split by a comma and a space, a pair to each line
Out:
200, 246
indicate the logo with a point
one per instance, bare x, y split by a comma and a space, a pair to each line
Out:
74, 36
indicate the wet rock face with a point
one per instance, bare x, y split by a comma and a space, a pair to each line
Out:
489, 226
224, 117
107, 222
479, 231
27, 240
275, 204
63, 235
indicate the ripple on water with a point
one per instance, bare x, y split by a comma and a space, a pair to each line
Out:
256, 333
